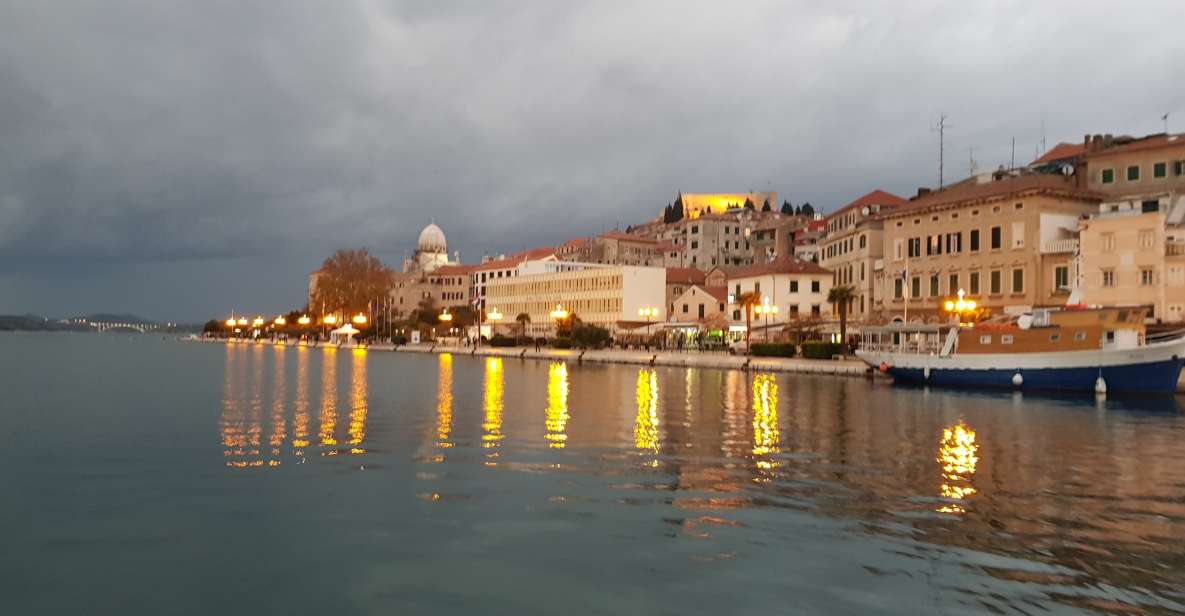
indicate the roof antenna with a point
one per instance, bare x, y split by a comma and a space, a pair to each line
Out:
971, 160
1165, 118
1012, 163
941, 128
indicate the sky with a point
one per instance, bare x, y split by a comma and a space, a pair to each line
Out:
180, 160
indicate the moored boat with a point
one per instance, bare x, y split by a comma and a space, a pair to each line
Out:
1100, 350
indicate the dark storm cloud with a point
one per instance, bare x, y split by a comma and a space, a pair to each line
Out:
187, 140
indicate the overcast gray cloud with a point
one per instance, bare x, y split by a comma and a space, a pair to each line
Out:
180, 159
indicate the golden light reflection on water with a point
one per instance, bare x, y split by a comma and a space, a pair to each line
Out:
491, 426
328, 416
279, 428
646, 437
359, 402
300, 414
957, 453
233, 438
766, 438
557, 405
444, 401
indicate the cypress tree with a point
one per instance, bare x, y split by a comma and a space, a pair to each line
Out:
807, 209
677, 210
765, 207
748, 203
787, 209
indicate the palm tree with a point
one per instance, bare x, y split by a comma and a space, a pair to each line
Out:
841, 298
523, 319
748, 301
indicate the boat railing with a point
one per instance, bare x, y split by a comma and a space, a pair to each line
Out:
1165, 336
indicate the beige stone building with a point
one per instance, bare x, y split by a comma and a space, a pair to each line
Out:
1125, 167
853, 249
1130, 258
678, 280
698, 303
798, 288
1001, 237
616, 248
604, 295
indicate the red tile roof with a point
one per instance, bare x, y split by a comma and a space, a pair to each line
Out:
720, 293
789, 265
1123, 145
685, 275
876, 197
626, 237
453, 270
534, 254
1061, 151
970, 190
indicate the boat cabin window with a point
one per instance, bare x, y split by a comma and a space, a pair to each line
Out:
1055, 337
1080, 336
1121, 316
1006, 339
1110, 335
985, 340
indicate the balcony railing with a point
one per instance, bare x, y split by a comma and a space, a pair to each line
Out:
1060, 246
1174, 249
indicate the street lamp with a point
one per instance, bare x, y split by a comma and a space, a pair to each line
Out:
445, 316
559, 314
230, 322
304, 320
766, 309
961, 307
359, 319
242, 322
280, 321
257, 323
648, 313
493, 317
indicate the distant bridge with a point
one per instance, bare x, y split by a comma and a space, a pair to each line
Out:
143, 328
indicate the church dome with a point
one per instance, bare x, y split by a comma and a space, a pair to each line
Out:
432, 240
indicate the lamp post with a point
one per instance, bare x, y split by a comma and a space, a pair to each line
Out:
493, 317
961, 307
649, 313
766, 309
328, 321
559, 314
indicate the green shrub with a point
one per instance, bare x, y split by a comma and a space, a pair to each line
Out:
773, 349
561, 343
821, 350
590, 336
398, 340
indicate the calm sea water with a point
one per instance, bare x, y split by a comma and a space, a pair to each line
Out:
142, 475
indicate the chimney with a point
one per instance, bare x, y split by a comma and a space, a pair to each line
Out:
922, 192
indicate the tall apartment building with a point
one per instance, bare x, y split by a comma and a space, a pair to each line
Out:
604, 295
999, 236
616, 248
853, 249
773, 236
711, 240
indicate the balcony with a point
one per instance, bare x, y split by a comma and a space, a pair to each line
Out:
1060, 246
1174, 249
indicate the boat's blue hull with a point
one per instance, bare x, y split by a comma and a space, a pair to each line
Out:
1149, 377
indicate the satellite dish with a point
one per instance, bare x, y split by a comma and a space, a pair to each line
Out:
1067, 169
1025, 321
864, 211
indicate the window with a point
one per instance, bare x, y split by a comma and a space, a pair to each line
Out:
995, 282
985, 339
1006, 339
1108, 176
1055, 337
898, 249
1018, 280
701, 311
815, 310
973, 283
757, 287
974, 240
684, 308
863, 241
1150, 207
1019, 206
1108, 242
1146, 238
1061, 277
1108, 278
934, 285
1133, 173
694, 245
695, 228
996, 238
1146, 276
915, 287
1159, 170
814, 286
794, 286
898, 288
1179, 167
738, 291
1080, 336
1018, 235
954, 284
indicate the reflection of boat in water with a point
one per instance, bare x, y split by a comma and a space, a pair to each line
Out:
1102, 350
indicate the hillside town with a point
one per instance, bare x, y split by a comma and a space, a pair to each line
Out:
1100, 222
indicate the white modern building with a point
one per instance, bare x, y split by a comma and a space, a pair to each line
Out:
604, 295
797, 288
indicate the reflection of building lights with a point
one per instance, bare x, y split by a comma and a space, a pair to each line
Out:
957, 452
359, 402
557, 405
444, 401
300, 413
491, 426
646, 437
765, 418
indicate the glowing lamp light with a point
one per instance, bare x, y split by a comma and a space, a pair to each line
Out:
230, 322
494, 315
951, 305
280, 321
360, 319
445, 316
329, 319
304, 320
257, 322
242, 322
559, 313
649, 312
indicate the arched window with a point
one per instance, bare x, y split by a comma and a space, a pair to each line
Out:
863, 241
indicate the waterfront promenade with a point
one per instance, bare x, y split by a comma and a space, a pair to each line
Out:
846, 367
